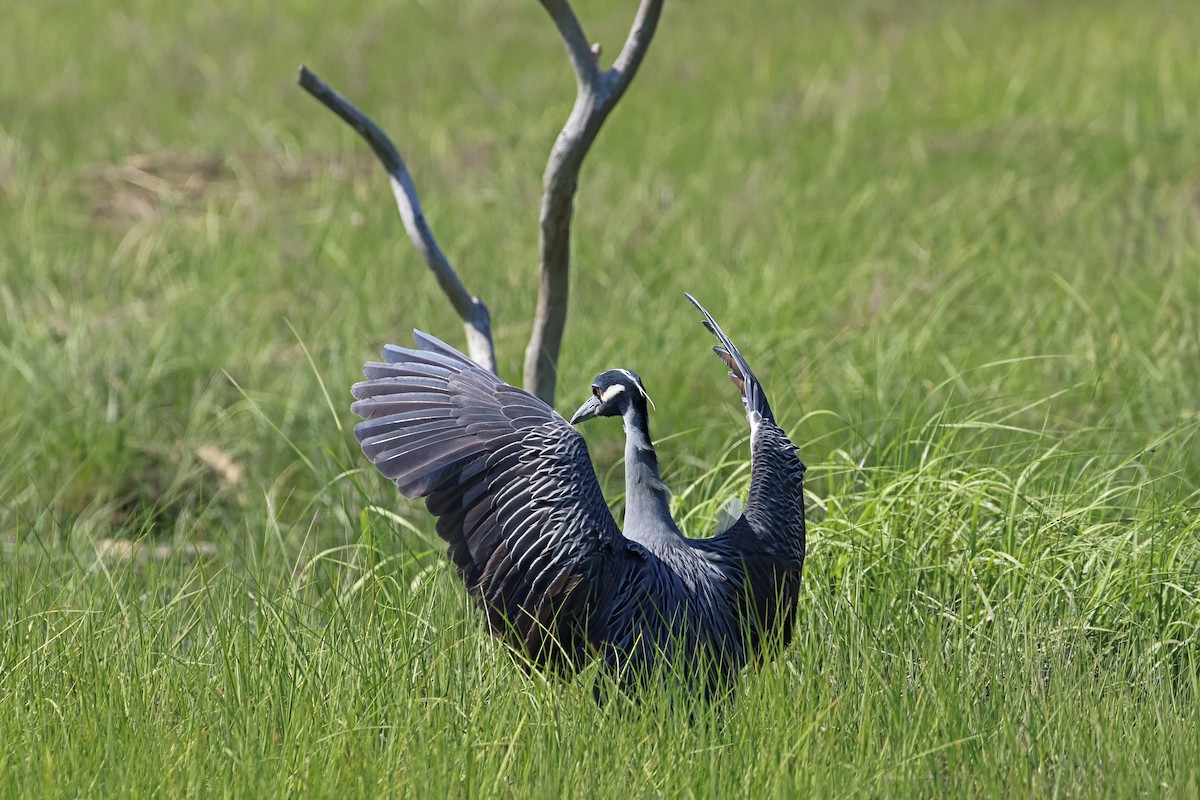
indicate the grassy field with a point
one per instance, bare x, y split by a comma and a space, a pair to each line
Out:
959, 242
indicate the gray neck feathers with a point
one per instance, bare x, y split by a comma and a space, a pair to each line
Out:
647, 501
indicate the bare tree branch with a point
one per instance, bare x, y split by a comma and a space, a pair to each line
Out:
636, 45
597, 94
474, 314
583, 60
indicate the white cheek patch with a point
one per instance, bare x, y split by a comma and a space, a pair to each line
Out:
611, 392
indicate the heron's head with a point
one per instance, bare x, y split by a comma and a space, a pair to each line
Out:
614, 393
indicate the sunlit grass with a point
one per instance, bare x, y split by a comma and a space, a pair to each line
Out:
959, 244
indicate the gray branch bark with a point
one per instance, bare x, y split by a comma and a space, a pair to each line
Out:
597, 93
477, 321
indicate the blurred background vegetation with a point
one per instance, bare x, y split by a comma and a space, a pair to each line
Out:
959, 242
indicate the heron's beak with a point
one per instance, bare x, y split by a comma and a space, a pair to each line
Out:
586, 411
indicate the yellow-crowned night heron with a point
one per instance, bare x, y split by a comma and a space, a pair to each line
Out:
516, 498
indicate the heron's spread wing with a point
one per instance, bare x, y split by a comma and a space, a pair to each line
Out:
770, 533
511, 484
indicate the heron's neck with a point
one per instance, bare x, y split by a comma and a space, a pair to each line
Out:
647, 501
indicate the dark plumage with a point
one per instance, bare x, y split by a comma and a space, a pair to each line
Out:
516, 498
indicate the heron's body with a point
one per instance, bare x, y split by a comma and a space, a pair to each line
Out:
528, 529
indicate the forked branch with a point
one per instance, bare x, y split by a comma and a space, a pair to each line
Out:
597, 93
474, 314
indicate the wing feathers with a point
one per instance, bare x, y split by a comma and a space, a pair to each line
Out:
511, 484
739, 371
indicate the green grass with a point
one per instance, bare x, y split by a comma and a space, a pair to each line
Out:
960, 243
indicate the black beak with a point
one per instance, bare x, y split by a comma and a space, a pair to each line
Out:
586, 411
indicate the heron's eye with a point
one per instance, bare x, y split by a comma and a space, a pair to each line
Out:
596, 391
